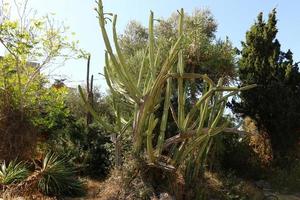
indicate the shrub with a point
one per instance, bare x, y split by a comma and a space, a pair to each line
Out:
18, 137
88, 147
286, 180
58, 177
13, 172
236, 154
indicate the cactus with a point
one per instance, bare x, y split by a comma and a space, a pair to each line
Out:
197, 126
89, 90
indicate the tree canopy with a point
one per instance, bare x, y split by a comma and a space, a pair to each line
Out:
203, 52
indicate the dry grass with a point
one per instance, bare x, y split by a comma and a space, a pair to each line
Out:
110, 189
259, 141
27, 188
121, 184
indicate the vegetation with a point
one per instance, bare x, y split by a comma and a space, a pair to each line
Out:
202, 52
26, 100
186, 151
162, 130
57, 177
13, 172
262, 62
72, 136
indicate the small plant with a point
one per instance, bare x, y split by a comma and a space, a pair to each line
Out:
13, 172
57, 177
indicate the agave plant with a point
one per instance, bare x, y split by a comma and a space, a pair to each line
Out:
13, 172
196, 127
58, 177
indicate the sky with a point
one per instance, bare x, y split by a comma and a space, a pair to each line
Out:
234, 17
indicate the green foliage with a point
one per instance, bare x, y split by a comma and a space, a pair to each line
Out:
202, 51
235, 154
53, 110
89, 147
58, 177
27, 104
31, 46
93, 157
98, 152
274, 103
39, 41
13, 172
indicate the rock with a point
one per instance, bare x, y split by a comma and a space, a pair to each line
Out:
252, 191
19, 198
263, 184
165, 196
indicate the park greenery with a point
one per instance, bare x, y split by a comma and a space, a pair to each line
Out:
186, 115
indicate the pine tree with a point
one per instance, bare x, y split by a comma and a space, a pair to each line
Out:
274, 104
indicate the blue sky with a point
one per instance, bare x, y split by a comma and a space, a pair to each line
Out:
234, 18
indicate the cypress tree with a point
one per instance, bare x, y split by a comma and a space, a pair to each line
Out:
275, 103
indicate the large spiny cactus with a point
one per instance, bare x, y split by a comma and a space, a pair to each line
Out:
196, 126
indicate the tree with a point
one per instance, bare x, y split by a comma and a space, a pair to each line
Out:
274, 103
203, 52
26, 101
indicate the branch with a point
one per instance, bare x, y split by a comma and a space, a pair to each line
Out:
8, 49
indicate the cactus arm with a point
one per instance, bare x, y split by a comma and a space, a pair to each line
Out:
151, 46
114, 60
217, 119
157, 60
164, 118
93, 112
123, 66
113, 93
181, 96
152, 125
142, 70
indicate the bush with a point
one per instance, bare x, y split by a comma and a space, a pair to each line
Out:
13, 172
88, 147
98, 158
286, 180
236, 155
58, 177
